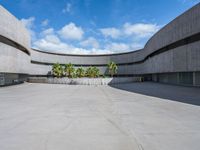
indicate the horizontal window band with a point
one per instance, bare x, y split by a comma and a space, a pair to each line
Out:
13, 44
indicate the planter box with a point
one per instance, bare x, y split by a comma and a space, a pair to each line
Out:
84, 81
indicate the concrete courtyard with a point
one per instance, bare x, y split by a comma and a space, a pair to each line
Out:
137, 116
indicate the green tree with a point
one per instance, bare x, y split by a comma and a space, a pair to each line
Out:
112, 68
80, 72
69, 70
92, 72
88, 72
57, 70
96, 72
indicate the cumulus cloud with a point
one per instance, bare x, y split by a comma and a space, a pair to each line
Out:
67, 8
71, 32
136, 46
48, 31
52, 39
53, 44
29, 25
90, 42
117, 47
140, 30
61, 40
45, 22
114, 47
110, 32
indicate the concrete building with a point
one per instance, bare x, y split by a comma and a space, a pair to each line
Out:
172, 55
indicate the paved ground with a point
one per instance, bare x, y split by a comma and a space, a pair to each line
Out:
145, 116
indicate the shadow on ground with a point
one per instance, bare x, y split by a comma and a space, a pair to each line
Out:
189, 95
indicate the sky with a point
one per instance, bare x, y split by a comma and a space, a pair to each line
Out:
94, 26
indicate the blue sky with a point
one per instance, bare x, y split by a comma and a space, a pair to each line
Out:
94, 26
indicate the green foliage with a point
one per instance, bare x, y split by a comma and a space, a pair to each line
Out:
112, 68
74, 75
96, 72
57, 70
92, 72
69, 70
80, 72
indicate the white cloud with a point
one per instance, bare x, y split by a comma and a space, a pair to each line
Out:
45, 22
52, 44
136, 46
122, 47
110, 32
48, 31
99, 51
53, 40
67, 8
29, 25
140, 30
49, 41
90, 42
71, 32
117, 47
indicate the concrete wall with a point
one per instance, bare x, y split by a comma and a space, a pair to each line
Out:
181, 27
14, 49
185, 57
13, 29
13, 59
174, 49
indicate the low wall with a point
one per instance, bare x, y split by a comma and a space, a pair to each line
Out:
84, 81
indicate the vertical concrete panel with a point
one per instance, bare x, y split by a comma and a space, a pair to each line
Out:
180, 59
193, 56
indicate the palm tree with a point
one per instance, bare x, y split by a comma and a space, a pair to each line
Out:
112, 67
80, 72
69, 70
96, 72
57, 70
88, 72
92, 72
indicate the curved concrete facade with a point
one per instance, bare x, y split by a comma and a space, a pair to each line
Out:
14, 49
171, 55
13, 29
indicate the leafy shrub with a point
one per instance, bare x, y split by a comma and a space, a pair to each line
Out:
92, 72
57, 70
69, 70
80, 72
